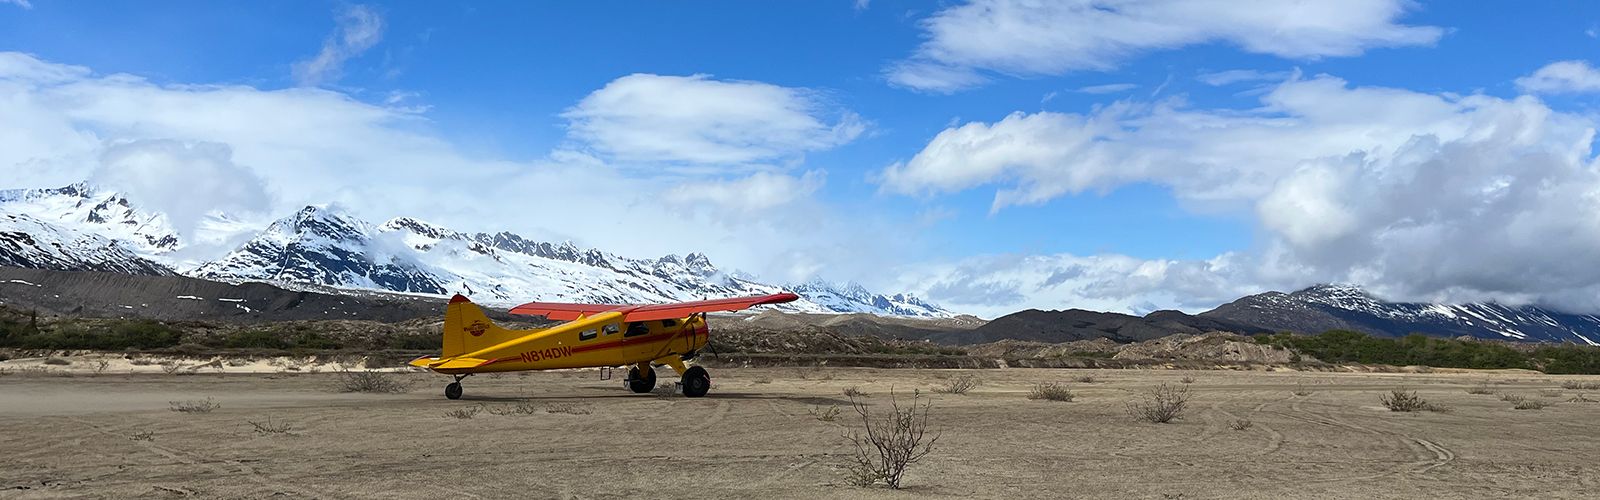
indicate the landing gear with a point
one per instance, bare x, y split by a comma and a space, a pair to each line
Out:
641, 382
696, 382
453, 391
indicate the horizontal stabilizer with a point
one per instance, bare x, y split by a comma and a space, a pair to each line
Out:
457, 363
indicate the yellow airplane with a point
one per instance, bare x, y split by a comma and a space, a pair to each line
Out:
594, 335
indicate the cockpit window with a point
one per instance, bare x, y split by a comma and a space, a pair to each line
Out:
669, 322
636, 329
588, 334
610, 329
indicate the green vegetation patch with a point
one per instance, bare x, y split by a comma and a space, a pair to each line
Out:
1344, 346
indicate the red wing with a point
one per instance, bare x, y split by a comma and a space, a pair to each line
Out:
560, 311
683, 309
566, 312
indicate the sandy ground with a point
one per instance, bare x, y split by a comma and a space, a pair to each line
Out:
84, 436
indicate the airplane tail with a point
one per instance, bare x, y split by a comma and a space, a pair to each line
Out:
467, 329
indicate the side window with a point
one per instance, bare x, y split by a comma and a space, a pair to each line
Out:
588, 334
610, 329
669, 323
636, 329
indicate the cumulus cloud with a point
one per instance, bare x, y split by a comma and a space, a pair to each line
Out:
20, 3
359, 28
1031, 38
1417, 196
184, 181
1562, 77
316, 146
696, 120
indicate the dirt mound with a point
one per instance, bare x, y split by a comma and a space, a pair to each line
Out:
1214, 346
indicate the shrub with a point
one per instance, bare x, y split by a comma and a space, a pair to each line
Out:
889, 442
1580, 399
567, 407
1051, 391
1481, 388
1301, 390
958, 385
370, 381
1579, 385
1187, 379
1400, 400
143, 436
1085, 379
1550, 393
194, 406
1240, 424
828, 414
854, 392
268, 427
1161, 404
464, 413
1513, 398
1530, 404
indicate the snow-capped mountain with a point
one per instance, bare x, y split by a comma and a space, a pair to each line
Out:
108, 214
33, 243
325, 246
81, 227
853, 297
1327, 307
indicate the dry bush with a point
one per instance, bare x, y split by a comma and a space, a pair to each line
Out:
464, 413
521, 408
1241, 424
1580, 385
1085, 379
1530, 404
567, 408
56, 362
1580, 399
958, 385
269, 428
101, 366
890, 441
143, 436
1301, 390
1513, 398
1161, 404
1402, 400
1051, 391
1481, 388
1187, 379
828, 414
370, 381
854, 392
170, 367
194, 406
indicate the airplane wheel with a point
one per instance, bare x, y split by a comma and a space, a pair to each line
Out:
696, 382
453, 391
639, 384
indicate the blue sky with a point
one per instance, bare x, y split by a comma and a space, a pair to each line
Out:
496, 90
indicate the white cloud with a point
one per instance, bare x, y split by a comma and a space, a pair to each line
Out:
359, 28
1562, 77
862, 4
313, 146
696, 120
20, 3
758, 192
185, 181
1233, 76
1032, 38
1110, 88
1418, 196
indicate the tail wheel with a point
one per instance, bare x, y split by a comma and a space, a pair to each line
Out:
453, 391
696, 382
641, 384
